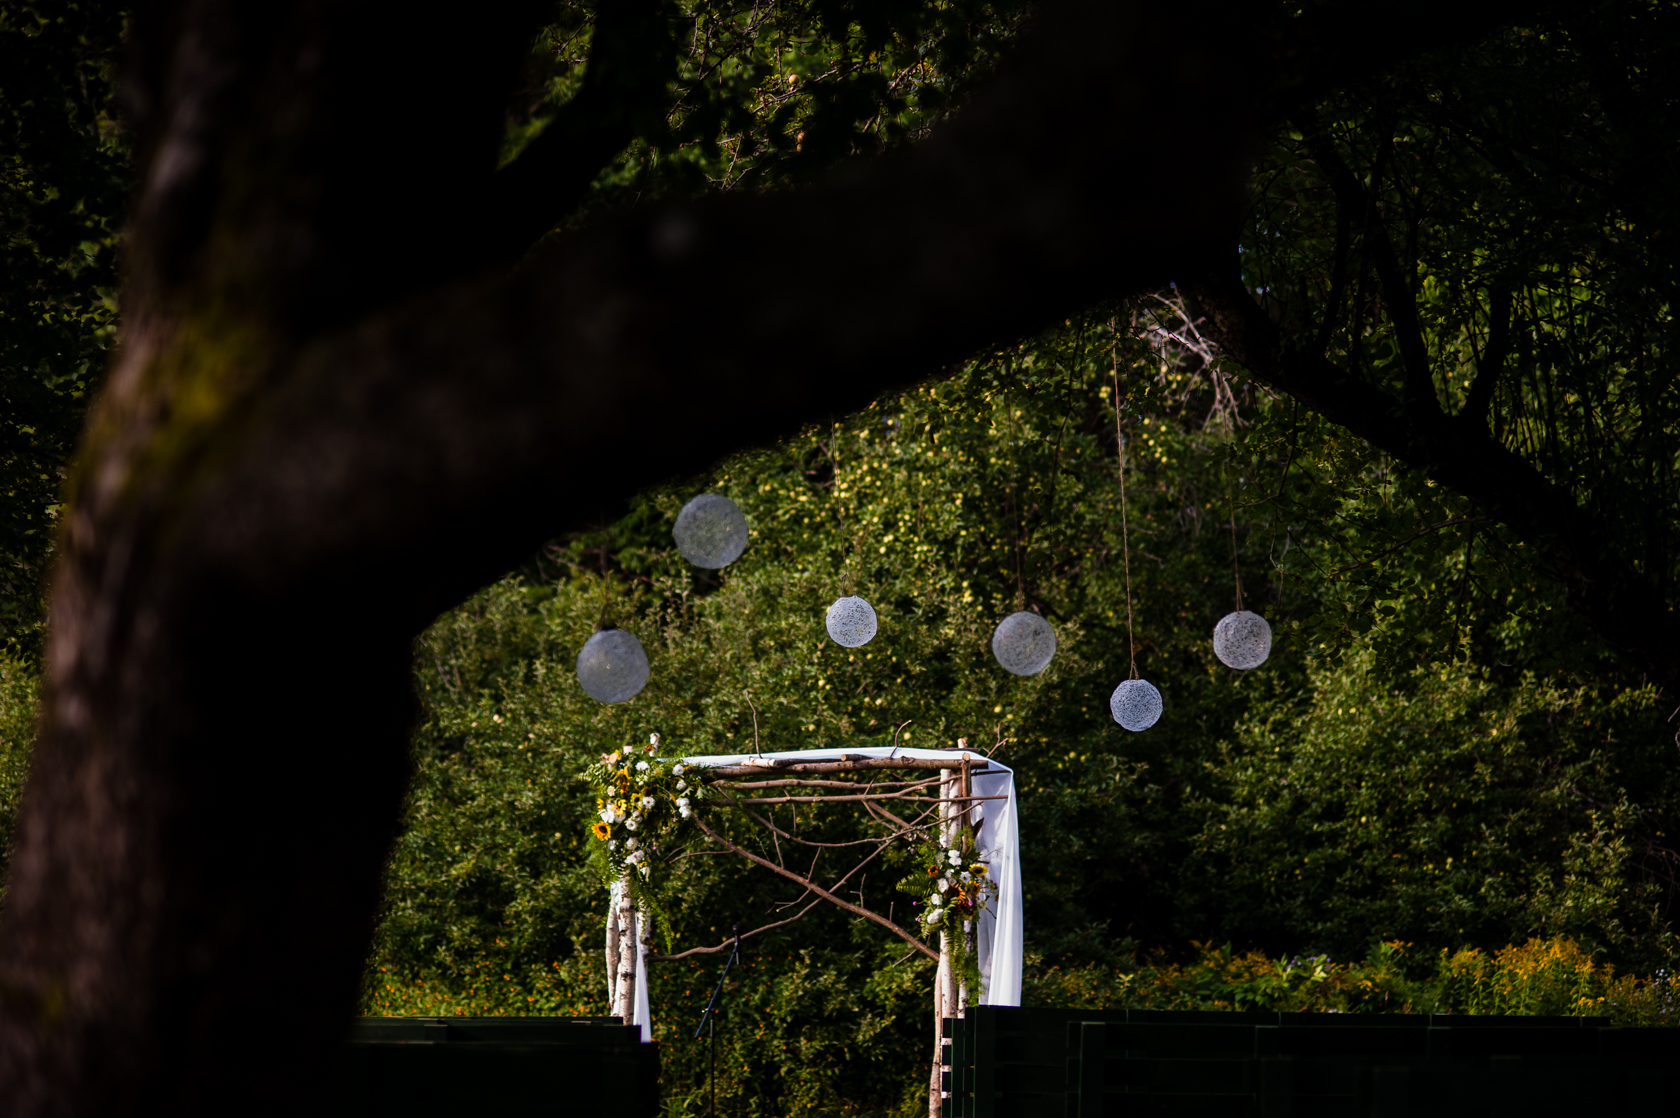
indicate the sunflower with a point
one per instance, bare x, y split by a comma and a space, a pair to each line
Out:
933, 871
602, 831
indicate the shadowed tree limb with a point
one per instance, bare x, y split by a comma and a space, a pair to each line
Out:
632, 59
1607, 592
1397, 294
1491, 361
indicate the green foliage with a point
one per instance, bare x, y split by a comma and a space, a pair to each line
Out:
768, 95
948, 507
18, 687
1432, 806
1528, 205
63, 189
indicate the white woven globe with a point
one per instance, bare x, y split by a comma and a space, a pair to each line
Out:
851, 622
1135, 704
1242, 640
612, 666
1024, 643
710, 531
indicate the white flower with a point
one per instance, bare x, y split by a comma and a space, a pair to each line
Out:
634, 858
955, 856
943, 885
611, 843
653, 739
647, 801
933, 915
684, 811
630, 844
936, 900
679, 769
682, 785
608, 816
682, 801
633, 822
641, 766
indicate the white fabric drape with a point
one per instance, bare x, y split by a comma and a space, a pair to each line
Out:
998, 939
640, 1014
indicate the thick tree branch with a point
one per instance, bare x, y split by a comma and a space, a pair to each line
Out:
632, 59
1492, 359
1611, 596
1397, 293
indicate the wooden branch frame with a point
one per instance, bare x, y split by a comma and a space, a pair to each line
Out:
848, 763
819, 890
726, 944
945, 817
871, 796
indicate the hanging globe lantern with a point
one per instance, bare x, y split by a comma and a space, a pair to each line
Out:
711, 532
851, 622
612, 666
1242, 640
1135, 704
1023, 643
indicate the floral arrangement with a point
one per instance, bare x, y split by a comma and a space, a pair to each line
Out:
642, 801
958, 887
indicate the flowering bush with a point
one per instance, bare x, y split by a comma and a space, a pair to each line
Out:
641, 803
1542, 976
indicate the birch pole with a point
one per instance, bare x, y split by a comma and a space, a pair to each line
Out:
624, 917
942, 977
612, 947
962, 824
950, 992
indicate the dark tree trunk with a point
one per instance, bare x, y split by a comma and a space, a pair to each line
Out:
338, 410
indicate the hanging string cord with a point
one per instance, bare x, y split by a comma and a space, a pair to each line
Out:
855, 541
1020, 518
606, 593
1120, 450
1236, 570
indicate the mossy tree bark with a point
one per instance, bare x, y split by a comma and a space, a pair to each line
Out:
339, 408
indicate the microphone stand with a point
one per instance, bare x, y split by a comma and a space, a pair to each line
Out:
708, 1021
